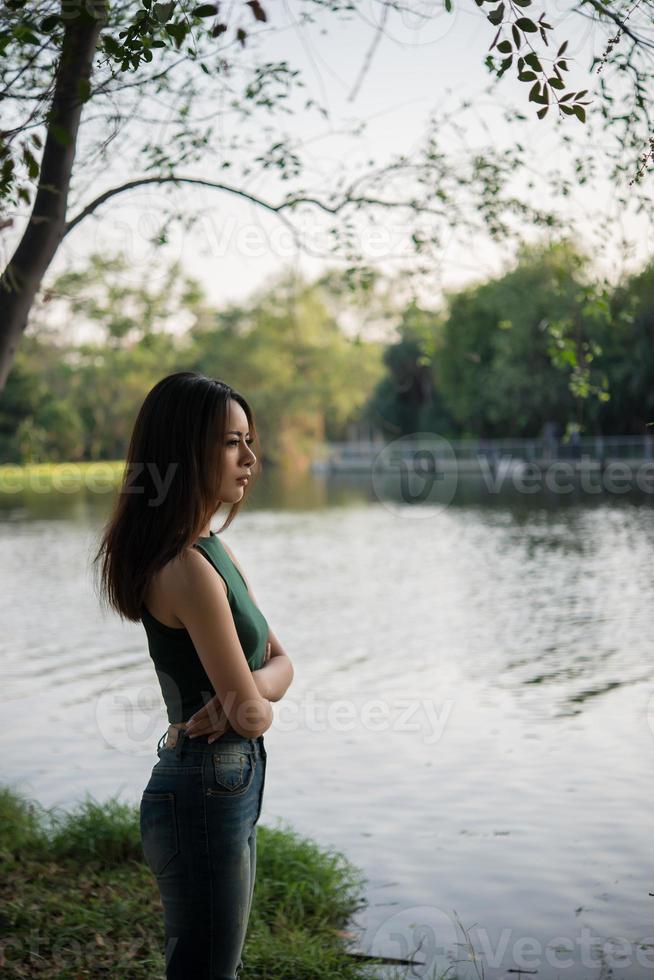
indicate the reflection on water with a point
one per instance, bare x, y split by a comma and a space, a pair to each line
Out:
470, 719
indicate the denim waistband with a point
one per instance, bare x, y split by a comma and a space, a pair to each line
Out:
176, 738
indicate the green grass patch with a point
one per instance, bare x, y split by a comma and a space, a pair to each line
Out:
77, 900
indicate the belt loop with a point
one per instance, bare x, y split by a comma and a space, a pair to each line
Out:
178, 748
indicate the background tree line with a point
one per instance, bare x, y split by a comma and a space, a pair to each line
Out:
539, 343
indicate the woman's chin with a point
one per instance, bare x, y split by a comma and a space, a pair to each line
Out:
234, 495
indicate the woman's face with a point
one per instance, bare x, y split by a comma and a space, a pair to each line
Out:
238, 458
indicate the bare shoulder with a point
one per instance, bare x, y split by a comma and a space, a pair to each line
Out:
188, 570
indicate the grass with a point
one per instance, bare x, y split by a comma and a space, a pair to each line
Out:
77, 900
98, 476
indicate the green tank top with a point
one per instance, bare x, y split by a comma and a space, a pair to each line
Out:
185, 686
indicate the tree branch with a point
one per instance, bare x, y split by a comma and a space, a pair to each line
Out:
602, 9
143, 181
277, 209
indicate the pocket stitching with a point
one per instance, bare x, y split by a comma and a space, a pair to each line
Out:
220, 789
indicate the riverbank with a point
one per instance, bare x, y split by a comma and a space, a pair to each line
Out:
77, 899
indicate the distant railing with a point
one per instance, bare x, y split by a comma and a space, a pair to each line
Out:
356, 455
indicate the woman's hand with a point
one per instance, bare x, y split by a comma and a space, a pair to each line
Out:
211, 719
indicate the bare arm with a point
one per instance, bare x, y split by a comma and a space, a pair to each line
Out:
276, 676
202, 606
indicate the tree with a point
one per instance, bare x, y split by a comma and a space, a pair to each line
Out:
285, 344
81, 82
516, 350
406, 400
626, 340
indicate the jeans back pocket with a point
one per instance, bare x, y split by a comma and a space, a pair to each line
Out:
159, 834
233, 771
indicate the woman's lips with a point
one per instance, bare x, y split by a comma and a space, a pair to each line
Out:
242, 479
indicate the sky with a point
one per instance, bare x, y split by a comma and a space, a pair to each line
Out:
418, 65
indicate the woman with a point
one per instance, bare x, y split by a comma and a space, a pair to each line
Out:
218, 663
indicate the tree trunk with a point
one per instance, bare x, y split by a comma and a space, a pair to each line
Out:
22, 278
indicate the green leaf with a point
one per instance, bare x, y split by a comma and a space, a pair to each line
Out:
496, 16
561, 49
527, 25
162, 11
50, 23
533, 62
542, 112
556, 82
527, 76
569, 111
534, 92
205, 10
178, 32
579, 112
505, 47
448, 6
517, 36
27, 36
112, 47
257, 9
31, 163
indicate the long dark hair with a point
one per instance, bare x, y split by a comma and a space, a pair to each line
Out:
169, 487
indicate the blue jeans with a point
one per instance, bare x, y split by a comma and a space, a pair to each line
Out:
198, 822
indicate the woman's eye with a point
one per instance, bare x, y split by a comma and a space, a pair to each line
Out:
234, 442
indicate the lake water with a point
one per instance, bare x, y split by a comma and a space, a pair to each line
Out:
471, 720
